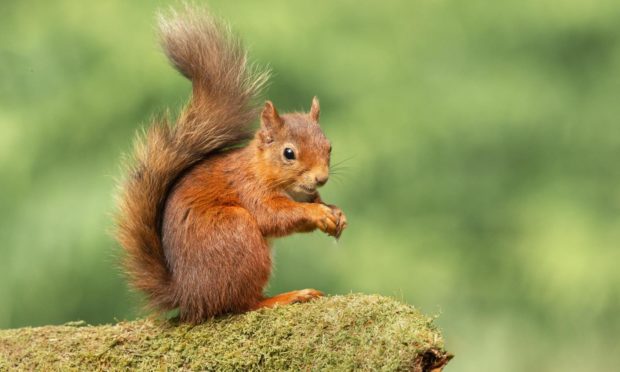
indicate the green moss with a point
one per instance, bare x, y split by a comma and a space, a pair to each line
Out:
348, 332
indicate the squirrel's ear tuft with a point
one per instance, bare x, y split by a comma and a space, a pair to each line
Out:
315, 110
270, 120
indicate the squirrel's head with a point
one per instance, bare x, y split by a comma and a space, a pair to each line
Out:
293, 151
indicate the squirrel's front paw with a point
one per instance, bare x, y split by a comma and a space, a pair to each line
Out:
324, 219
341, 218
329, 219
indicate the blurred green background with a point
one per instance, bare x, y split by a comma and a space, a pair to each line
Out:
483, 180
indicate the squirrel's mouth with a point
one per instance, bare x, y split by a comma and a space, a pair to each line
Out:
306, 189
301, 193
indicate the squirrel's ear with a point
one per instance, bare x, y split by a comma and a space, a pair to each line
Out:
315, 110
270, 119
270, 122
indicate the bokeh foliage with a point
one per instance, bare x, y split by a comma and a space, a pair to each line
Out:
481, 142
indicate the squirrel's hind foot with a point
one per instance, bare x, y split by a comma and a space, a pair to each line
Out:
293, 297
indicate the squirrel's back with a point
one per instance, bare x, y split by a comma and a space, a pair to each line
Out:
223, 105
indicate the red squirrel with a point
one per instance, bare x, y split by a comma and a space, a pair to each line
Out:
204, 195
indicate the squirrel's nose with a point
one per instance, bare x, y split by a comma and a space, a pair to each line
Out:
321, 180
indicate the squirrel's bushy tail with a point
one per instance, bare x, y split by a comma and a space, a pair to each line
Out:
220, 113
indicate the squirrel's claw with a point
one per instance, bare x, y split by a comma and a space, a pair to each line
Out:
341, 221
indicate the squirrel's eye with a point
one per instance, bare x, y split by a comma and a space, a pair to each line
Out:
289, 153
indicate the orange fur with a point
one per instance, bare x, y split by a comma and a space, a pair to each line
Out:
196, 210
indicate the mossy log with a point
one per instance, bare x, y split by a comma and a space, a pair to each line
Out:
353, 332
